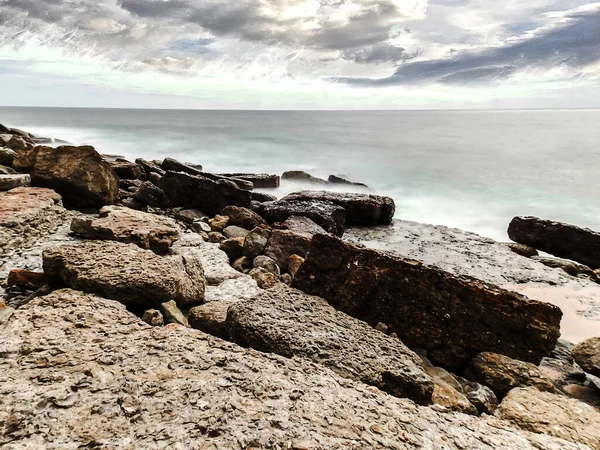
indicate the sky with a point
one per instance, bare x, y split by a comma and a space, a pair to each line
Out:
300, 54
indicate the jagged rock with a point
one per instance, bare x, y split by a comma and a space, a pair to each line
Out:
242, 217
176, 166
264, 278
568, 266
233, 247
290, 323
153, 317
264, 262
587, 355
326, 214
361, 209
551, 414
233, 231
86, 364
557, 238
524, 250
334, 179
261, 197
259, 180
426, 306
294, 264
255, 242
150, 168
501, 374
126, 273
480, 396
151, 195
294, 238
7, 156
243, 264
79, 174
199, 192
300, 175
127, 170
218, 223
211, 318
27, 279
8, 182
117, 223
173, 314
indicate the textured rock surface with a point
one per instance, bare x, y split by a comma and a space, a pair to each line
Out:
555, 415
81, 371
290, 323
126, 273
587, 355
127, 170
452, 317
79, 174
284, 243
557, 238
255, 242
151, 195
11, 181
522, 249
117, 223
211, 318
361, 209
242, 217
501, 374
326, 214
480, 396
259, 180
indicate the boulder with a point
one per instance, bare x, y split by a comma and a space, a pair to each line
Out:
242, 217
100, 377
153, 317
199, 192
8, 182
176, 166
79, 174
557, 238
587, 355
292, 324
450, 316
233, 247
151, 195
501, 374
264, 262
261, 197
173, 314
551, 414
7, 156
116, 223
300, 175
480, 396
259, 180
255, 242
126, 273
334, 179
264, 278
127, 170
329, 216
211, 318
284, 243
233, 231
361, 209
521, 249
150, 168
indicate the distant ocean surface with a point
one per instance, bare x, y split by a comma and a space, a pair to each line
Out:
472, 170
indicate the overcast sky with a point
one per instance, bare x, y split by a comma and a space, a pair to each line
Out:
283, 54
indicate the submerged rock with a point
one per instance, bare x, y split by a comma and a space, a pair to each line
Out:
334, 179
452, 317
300, 175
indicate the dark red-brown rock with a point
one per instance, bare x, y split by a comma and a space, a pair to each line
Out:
325, 214
199, 192
27, 279
361, 209
293, 239
557, 238
427, 307
79, 174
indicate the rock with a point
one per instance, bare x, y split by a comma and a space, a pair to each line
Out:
290, 323
4, 129
448, 392
255, 242
264, 279
128, 375
218, 223
176, 166
334, 179
233, 231
326, 214
217, 268
294, 264
199, 192
79, 174
173, 314
361, 209
551, 414
563, 351
568, 266
242, 217
382, 327
211, 318
302, 225
216, 238
300, 175
259, 180
151, 195
243, 264
17, 132
8, 182
27, 279
17, 144
587, 355
426, 306
261, 197
7, 156
150, 168
234, 182
264, 262
127, 170
286, 279
192, 215
7, 170
201, 227
126, 273
523, 250
233, 247
480, 396
501, 374
154, 318
284, 243
557, 238
117, 223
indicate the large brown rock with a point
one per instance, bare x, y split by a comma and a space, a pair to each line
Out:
79, 174
190, 191
557, 238
284, 243
328, 215
587, 355
290, 323
126, 273
117, 223
453, 317
361, 209
242, 217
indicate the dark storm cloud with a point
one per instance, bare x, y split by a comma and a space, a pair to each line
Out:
575, 44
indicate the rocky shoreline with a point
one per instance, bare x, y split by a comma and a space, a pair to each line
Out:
150, 304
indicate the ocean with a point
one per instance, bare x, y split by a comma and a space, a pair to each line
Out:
472, 170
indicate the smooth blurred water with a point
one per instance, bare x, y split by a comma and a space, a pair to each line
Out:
473, 170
